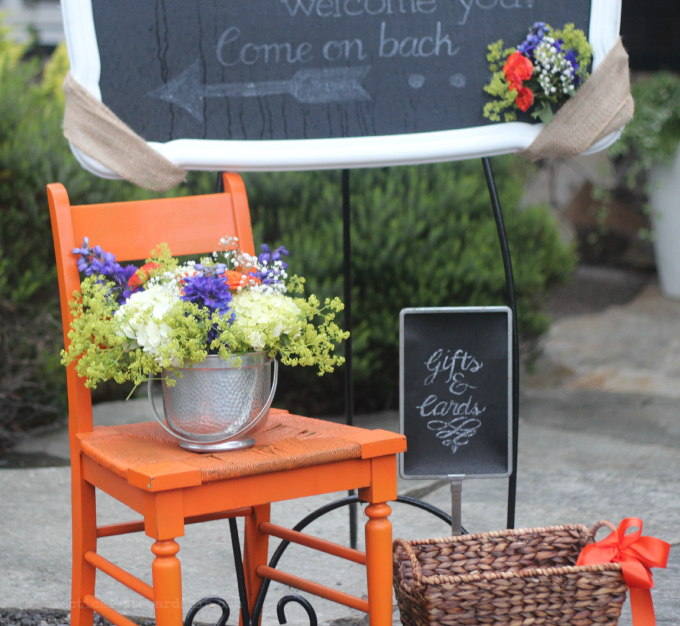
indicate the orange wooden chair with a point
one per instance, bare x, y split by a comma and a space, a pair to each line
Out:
143, 467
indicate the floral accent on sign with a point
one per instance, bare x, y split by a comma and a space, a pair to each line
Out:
129, 322
538, 76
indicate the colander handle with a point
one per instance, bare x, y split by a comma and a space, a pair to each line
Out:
265, 408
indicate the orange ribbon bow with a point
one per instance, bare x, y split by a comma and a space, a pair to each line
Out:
637, 554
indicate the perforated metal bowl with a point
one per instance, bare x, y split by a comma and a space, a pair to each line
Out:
218, 404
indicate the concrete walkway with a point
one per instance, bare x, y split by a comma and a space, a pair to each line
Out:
599, 438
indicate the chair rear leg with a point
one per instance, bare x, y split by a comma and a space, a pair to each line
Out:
84, 515
255, 552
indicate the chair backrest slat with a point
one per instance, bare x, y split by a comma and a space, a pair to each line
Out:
130, 230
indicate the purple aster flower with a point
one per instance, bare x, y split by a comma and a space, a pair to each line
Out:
269, 257
535, 36
575, 67
208, 291
96, 261
273, 266
211, 292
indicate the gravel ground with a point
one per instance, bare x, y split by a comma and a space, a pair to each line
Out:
27, 617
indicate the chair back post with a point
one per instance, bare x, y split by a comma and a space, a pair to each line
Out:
233, 185
130, 230
79, 398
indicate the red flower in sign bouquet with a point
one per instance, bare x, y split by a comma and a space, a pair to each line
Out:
525, 98
518, 69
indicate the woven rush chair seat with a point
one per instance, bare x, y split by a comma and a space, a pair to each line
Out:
142, 466
286, 442
508, 578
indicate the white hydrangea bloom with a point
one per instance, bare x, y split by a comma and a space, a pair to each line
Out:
261, 315
142, 317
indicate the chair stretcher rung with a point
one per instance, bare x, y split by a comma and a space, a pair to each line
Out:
107, 612
313, 542
111, 530
314, 588
127, 579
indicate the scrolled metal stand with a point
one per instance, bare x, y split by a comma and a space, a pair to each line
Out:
254, 619
189, 619
300, 600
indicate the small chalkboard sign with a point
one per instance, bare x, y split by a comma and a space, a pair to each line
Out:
311, 84
456, 392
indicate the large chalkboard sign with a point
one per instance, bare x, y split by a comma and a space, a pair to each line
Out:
307, 84
455, 392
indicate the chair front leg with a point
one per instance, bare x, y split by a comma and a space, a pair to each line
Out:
167, 583
383, 488
379, 564
84, 511
164, 521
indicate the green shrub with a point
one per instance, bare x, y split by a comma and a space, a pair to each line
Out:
33, 152
421, 236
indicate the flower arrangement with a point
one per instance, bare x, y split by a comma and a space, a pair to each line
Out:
129, 322
541, 74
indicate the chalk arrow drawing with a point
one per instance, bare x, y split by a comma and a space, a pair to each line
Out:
309, 86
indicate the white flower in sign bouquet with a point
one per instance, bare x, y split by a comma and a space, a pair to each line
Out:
130, 322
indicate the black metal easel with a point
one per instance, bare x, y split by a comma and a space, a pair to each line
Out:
510, 287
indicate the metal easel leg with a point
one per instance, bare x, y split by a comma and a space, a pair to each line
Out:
349, 374
510, 284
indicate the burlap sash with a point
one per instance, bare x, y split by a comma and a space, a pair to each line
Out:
599, 107
98, 132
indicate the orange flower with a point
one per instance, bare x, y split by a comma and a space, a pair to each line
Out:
142, 274
517, 68
238, 279
525, 98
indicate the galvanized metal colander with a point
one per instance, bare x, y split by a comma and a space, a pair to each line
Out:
217, 404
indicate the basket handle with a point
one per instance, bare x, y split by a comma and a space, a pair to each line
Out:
597, 526
415, 564
265, 408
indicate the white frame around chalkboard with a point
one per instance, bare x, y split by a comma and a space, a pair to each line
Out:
461, 309
315, 154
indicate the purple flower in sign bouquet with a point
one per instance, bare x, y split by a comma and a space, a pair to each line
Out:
96, 261
535, 36
575, 67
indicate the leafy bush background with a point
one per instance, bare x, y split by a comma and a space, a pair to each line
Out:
33, 152
422, 236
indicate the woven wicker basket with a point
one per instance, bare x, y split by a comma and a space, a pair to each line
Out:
512, 578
